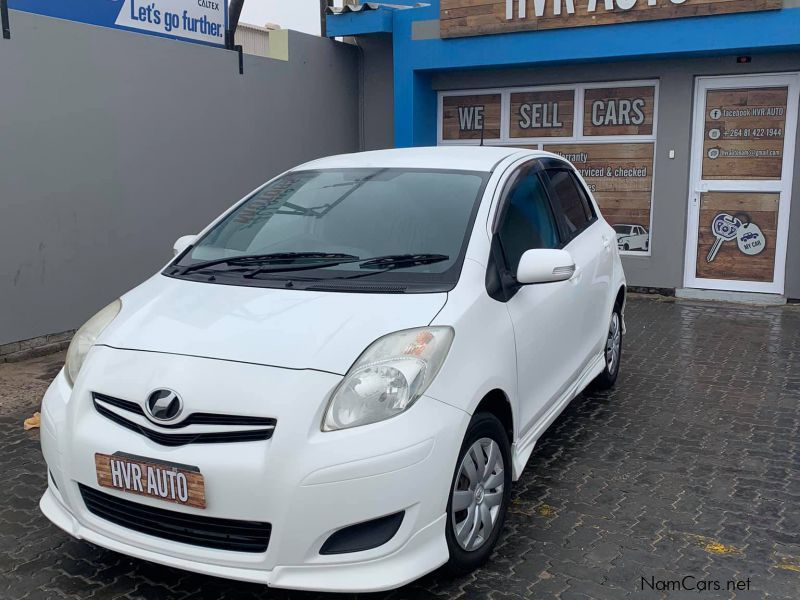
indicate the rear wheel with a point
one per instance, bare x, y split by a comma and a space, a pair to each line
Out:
612, 352
479, 496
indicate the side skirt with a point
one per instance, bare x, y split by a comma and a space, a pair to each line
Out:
523, 448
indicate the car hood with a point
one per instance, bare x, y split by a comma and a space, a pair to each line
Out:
295, 329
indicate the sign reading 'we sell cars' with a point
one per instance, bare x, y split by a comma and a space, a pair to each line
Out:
201, 21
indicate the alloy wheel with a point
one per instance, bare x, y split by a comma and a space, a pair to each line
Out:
478, 494
613, 343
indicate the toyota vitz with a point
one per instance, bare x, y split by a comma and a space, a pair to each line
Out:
334, 385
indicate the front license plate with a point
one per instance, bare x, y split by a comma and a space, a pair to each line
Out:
181, 484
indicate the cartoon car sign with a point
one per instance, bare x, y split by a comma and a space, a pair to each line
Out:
632, 237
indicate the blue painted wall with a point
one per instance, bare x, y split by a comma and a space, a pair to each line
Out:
415, 60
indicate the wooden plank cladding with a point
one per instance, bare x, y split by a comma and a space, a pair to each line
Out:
146, 477
462, 18
619, 111
608, 131
620, 177
546, 113
469, 117
744, 133
755, 219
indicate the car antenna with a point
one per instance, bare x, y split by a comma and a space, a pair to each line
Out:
483, 128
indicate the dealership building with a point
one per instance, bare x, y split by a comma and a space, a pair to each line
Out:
681, 116
128, 124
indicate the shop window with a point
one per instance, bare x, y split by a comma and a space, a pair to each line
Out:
606, 130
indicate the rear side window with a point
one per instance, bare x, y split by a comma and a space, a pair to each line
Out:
576, 212
528, 221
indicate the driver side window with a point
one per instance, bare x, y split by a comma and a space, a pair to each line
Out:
527, 221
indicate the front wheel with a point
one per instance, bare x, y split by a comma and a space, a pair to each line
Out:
612, 353
479, 496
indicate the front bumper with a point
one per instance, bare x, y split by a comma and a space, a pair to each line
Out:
304, 482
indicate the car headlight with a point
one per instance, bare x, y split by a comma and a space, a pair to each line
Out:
390, 375
85, 338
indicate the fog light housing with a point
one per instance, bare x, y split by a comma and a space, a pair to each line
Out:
363, 536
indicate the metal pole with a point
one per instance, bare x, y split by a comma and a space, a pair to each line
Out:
4, 19
323, 13
234, 12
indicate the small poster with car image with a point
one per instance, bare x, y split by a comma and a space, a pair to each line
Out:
750, 239
632, 237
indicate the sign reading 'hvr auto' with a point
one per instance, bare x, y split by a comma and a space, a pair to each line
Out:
461, 18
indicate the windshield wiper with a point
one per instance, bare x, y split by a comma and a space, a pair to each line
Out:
380, 264
318, 258
402, 261
287, 262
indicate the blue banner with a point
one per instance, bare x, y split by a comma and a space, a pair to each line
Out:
203, 21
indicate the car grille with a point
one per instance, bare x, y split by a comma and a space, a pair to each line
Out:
209, 532
165, 438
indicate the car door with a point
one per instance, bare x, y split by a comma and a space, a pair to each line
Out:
526, 221
589, 241
643, 241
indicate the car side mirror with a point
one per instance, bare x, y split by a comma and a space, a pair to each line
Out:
183, 243
545, 266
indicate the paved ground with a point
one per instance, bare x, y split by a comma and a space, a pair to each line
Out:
690, 468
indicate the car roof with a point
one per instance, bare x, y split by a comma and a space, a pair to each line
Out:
465, 158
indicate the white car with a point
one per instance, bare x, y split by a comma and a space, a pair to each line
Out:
334, 385
632, 237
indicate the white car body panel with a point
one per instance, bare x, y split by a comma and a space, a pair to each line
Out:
315, 470
281, 353
293, 329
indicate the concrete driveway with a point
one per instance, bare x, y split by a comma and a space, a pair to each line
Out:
684, 482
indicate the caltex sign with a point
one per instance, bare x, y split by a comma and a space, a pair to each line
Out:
202, 21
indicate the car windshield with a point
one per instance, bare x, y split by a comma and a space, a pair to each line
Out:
405, 226
622, 228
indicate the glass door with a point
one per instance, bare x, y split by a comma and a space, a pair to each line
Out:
740, 189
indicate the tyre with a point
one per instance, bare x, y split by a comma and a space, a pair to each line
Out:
479, 494
612, 353
626, 247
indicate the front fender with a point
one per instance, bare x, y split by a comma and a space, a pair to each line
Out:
483, 355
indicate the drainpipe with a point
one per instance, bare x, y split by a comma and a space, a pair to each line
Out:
362, 100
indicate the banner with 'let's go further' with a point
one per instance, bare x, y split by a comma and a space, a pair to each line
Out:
201, 21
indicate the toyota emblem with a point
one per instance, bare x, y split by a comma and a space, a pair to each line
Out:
164, 405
